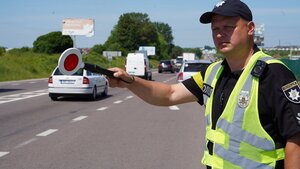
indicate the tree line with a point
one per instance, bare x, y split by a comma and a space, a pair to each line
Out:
131, 31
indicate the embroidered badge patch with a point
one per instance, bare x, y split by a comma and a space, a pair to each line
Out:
244, 98
292, 92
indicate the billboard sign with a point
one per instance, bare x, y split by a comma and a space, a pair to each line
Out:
75, 27
149, 49
111, 54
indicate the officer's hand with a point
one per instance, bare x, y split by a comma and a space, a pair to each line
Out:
122, 78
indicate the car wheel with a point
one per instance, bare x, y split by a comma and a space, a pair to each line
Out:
53, 98
146, 76
94, 94
104, 93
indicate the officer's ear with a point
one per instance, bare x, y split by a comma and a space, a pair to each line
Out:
251, 28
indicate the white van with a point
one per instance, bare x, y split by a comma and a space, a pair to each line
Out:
138, 64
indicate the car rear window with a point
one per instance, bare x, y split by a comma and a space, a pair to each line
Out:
78, 73
195, 67
178, 61
166, 62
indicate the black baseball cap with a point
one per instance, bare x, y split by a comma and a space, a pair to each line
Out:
228, 8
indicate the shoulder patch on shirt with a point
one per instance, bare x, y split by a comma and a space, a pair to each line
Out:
292, 92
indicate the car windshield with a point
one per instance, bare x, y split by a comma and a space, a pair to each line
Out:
195, 67
78, 73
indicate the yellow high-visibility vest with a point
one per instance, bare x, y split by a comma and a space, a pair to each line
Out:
240, 141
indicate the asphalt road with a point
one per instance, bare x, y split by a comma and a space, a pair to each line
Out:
116, 132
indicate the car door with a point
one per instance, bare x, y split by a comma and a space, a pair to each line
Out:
100, 81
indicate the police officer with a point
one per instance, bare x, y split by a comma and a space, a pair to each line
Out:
252, 100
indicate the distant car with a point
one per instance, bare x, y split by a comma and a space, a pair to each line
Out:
138, 64
166, 66
178, 63
190, 67
81, 83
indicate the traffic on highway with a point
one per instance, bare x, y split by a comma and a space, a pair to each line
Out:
114, 131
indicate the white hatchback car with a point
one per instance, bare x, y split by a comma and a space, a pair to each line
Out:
81, 83
190, 67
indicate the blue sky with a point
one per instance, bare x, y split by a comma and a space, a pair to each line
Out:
22, 21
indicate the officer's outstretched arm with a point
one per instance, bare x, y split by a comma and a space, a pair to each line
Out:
152, 92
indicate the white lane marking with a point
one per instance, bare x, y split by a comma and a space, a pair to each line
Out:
46, 133
3, 153
118, 102
13, 95
169, 79
79, 118
28, 93
102, 108
173, 107
21, 96
41, 91
26, 142
129, 97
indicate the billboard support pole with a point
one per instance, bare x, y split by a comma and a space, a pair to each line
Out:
73, 37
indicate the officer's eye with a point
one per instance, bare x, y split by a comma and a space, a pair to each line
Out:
229, 27
214, 28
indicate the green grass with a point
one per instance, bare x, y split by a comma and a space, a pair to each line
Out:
26, 65
17, 65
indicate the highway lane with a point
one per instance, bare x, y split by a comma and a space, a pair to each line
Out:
116, 132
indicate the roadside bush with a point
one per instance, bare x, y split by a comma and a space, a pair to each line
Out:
2, 51
53, 42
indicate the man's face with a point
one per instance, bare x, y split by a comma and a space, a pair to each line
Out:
230, 34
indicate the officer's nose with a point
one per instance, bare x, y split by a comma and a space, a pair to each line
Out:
219, 35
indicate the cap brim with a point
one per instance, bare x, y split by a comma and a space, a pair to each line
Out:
206, 17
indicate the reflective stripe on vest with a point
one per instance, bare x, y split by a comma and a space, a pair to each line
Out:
234, 146
210, 77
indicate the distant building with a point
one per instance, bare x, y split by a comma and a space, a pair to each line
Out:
284, 48
85, 50
259, 36
293, 49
